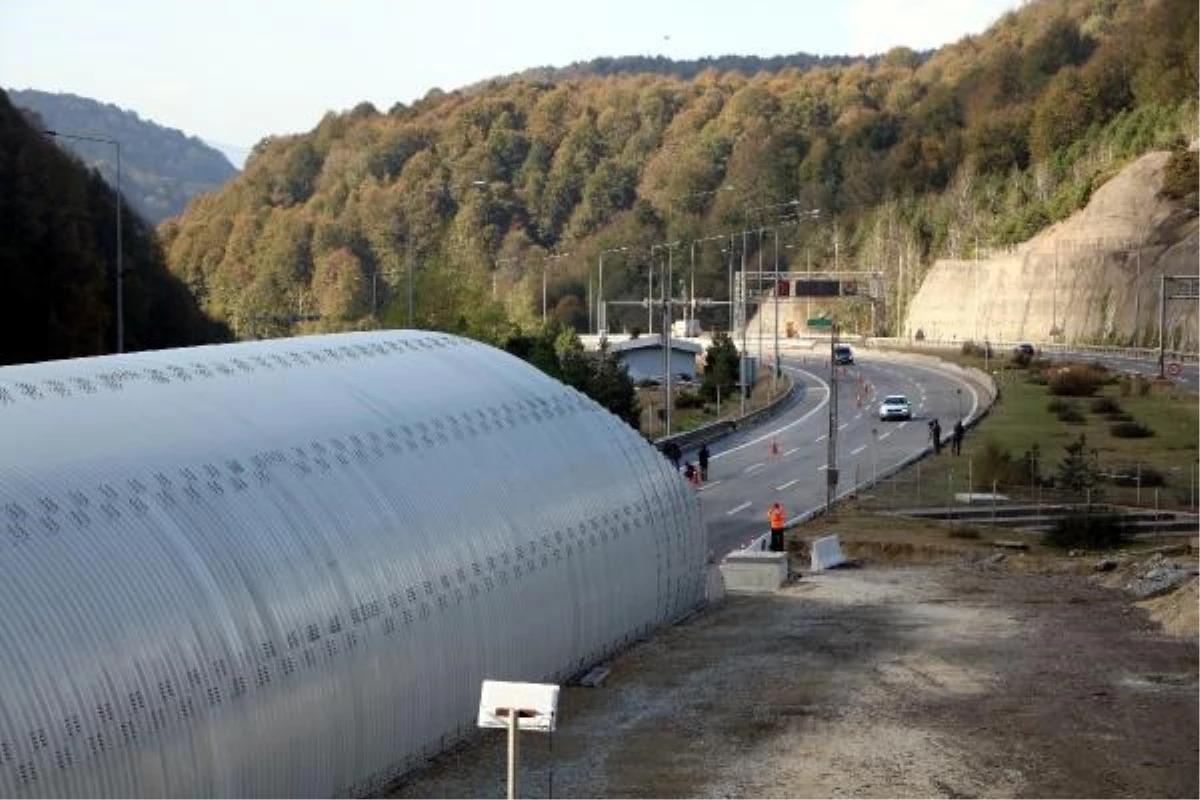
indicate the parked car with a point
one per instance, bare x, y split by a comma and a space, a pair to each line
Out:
895, 406
842, 354
1025, 350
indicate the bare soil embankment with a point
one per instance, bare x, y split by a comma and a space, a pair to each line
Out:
932, 670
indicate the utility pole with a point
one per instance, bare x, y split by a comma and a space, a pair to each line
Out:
831, 471
742, 386
668, 290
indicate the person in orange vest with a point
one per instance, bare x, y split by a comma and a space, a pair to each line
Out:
777, 517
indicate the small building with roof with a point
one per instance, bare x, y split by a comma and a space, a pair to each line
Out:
643, 357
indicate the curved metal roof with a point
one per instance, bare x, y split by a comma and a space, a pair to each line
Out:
282, 568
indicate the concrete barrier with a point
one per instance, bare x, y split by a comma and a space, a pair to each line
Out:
754, 571
827, 553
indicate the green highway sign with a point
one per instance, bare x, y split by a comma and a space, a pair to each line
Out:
820, 322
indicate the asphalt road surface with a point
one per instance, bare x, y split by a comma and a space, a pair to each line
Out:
785, 459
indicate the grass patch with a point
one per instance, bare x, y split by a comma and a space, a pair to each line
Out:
1021, 421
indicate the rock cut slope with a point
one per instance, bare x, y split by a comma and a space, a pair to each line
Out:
1092, 278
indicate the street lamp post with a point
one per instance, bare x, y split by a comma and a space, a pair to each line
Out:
545, 267
120, 267
810, 214
667, 288
601, 309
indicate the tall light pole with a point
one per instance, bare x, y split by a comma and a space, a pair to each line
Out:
545, 268
814, 213
120, 266
601, 309
667, 289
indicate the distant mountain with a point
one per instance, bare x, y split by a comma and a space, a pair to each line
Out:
58, 259
162, 169
236, 153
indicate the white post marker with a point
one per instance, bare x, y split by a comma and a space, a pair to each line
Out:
517, 706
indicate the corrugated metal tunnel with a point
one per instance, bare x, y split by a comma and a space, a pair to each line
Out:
283, 568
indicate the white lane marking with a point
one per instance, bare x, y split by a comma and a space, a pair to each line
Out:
820, 438
733, 511
885, 435
786, 485
843, 426
823, 466
753, 467
709, 485
772, 434
858, 450
789, 452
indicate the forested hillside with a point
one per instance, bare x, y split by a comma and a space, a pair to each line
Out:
58, 256
458, 206
161, 168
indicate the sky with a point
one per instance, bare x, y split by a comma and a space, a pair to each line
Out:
235, 71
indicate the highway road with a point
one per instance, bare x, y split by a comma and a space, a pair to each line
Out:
785, 458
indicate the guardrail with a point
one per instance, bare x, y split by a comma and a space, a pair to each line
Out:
716, 430
999, 348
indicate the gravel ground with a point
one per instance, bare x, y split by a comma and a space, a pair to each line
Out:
955, 679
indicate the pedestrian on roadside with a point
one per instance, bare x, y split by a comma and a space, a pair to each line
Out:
692, 475
702, 457
956, 438
777, 518
935, 435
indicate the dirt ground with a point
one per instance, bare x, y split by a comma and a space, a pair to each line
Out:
925, 671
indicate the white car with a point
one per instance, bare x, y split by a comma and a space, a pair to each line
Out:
895, 406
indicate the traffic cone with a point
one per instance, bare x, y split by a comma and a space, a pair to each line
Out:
774, 450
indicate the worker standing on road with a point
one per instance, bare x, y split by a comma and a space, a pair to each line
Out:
935, 435
702, 457
956, 438
777, 517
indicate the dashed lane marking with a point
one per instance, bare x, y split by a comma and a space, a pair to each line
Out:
786, 485
753, 467
733, 511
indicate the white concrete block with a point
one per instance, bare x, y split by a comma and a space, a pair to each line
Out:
754, 571
827, 552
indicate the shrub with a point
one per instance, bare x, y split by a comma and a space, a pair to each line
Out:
960, 532
1076, 380
1130, 430
1020, 359
1105, 405
1119, 417
1087, 529
972, 348
1129, 475
1071, 414
1057, 405
689, 400
993, 463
